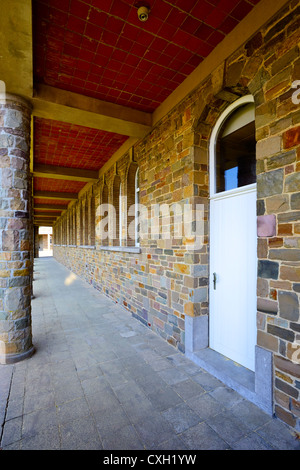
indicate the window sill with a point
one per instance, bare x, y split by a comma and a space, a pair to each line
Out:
91, 247
124, 249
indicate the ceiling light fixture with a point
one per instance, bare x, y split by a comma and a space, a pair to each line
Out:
143, 13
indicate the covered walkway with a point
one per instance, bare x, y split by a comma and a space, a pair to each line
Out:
99, 380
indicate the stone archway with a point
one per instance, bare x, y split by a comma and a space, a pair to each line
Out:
230, 81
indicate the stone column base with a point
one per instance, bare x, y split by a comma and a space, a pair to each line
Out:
13, 358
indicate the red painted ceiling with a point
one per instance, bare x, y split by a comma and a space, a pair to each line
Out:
68, 145
49, 184
100, 49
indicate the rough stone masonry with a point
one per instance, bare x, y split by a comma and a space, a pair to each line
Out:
15, 230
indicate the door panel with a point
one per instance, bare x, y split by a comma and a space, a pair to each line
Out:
233, 258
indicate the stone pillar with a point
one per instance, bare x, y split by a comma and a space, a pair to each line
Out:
15, 231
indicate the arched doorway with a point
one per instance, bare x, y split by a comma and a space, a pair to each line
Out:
233, 236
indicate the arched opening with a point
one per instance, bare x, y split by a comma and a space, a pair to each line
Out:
116, 212
104, 217
121, 215
81, 232
235, 159
74, 227
132, 204
92, 216
86, 221
226, 347
233, 240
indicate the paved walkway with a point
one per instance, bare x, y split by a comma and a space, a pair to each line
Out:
101, 380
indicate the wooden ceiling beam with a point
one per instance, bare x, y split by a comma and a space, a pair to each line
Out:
61, 105
64, 173
46, 214
55, 195
41, 216
43, 224
51, 207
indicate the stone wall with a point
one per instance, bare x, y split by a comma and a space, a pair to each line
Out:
167, 281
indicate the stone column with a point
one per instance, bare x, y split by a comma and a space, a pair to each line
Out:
15, 231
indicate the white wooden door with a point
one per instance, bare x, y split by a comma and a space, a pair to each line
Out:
233, 259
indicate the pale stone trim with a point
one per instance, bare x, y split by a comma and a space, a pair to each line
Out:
126, 249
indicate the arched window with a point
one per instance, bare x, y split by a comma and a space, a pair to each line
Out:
70, 224
104, 217
86, 221
81, 238
137, 201
74, 227
121, 216
235, 158
132, 203
115, 215
92, 216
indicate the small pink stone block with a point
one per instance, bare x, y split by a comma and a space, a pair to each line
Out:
266, 225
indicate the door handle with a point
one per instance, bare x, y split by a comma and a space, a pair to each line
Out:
215, 280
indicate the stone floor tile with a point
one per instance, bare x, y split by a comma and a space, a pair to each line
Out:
35, 422
17, 389
279, 436
94, 385
226, 396
80, 434
173, 375
159, 364
203, 437
251, 442
124, 438
252, 416
63, 393
90, 372
38, 400
230, 428
164, 398
14, 446
207, 381
151, 382
111, 367
12, 431
205, 406
14, 408
103, 401
154, 430
138, 409
188, 389
71, 410
175, 443
181, 417
48, 439
129, 390
109, 420
116, 379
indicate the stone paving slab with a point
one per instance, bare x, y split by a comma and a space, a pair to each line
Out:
100, 380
